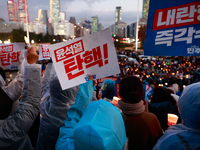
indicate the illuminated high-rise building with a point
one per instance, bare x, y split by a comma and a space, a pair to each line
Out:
42, 16
22, 6
95, 23
55, 11
62, 15
118, 14
12, 11
145, 9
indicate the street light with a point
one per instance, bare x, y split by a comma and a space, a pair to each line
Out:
6, 42
32, 41
54, 40
0, 41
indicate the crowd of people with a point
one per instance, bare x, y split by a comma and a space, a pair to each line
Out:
39, 115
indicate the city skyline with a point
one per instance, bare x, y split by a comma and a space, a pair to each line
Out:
105, 9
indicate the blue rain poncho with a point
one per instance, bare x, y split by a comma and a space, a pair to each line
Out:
13, 130
100, 126
54, 106
189, 130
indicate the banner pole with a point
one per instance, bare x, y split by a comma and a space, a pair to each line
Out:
27, 30
136, 40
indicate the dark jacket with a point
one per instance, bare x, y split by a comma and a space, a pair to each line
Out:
161, 110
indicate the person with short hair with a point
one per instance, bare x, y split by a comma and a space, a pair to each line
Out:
142, 128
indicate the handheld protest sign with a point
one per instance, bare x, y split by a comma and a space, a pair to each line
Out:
173, 28
44, 52
9, 55
76, 59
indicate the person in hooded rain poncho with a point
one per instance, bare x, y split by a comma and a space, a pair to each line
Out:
14, 128
108, 90
54, 106
98, 125
187, 134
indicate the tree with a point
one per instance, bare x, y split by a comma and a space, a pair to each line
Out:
40, 38
48, 38
18, 35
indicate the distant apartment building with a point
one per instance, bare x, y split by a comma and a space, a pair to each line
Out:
42, 16
62, 16
8, 27
72, 20
95, 23
12, 11
37, 28
55, 11
23, 11
65, 28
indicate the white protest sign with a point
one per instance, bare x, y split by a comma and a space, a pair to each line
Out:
44, 52
76, 59
9, 55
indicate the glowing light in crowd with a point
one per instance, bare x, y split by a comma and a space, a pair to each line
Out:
184, 86
166, 84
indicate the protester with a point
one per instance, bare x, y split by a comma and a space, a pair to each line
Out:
161, 104
13, 129
54, 107
142, 128
108, 90
96, 126
187, 134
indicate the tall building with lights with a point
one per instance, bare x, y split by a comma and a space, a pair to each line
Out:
118, 14
42, 16
22, 6
145, 9
55, 11
95, 23
12, 11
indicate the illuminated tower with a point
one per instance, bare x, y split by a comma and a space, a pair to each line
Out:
22, 6
12, 11
118, 14
145, 9
55, 11
42, 16
95, 22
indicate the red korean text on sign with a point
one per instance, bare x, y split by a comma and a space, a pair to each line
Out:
75, 57
7, 55
181, 15
45, 51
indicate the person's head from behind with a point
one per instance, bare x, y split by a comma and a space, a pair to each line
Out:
131, 89
101, 127
161, 94
108, 89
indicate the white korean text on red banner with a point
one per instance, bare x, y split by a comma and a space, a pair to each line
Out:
76, 59
9, 55
173, 28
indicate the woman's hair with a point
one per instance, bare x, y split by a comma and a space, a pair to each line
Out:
161, 94
131, 89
